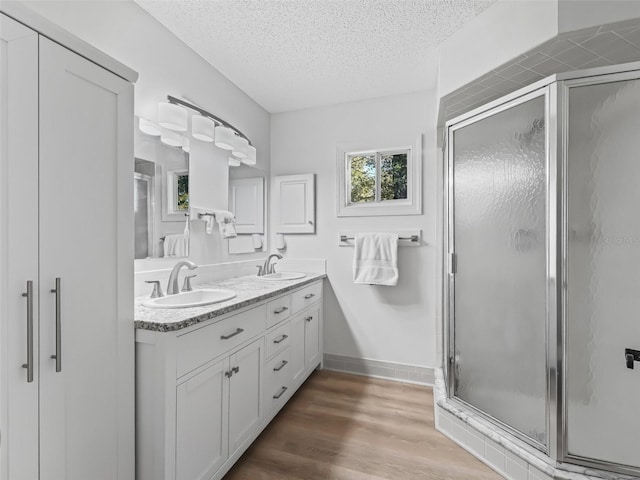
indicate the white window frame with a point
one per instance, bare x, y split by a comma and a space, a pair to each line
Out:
412, 205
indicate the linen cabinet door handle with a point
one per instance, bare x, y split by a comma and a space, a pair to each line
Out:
280, 393
58, 355
311, 295
237, 332
281, 339
29, 365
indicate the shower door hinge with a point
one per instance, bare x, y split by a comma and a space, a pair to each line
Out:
453, 263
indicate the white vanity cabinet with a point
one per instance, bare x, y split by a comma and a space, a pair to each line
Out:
205, 392
66, 271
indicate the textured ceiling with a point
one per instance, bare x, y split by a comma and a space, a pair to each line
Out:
293, 54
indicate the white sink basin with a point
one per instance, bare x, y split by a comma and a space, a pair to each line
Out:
196, 298
279, 276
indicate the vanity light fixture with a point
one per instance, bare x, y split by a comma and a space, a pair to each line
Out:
172, 116
240, 147
202, 128
234, 162
224, 138
207, 127
171, 138
149, 128
251, 156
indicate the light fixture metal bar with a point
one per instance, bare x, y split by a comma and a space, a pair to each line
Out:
204, 113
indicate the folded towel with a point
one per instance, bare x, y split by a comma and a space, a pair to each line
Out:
176, 245
375, 259
210, 222
226, 223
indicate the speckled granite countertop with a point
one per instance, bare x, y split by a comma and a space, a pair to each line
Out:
250, 289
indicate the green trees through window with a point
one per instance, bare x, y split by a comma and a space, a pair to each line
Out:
183, 192
378, 176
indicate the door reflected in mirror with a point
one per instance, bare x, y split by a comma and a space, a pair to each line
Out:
247, 193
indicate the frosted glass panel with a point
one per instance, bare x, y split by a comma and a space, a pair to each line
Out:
603, 271
500, 284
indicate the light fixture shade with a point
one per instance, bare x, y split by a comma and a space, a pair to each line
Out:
234, 162
202, 128
172, 116
171, 138
251, 156
224, 138
240, 147
149, 128
186, 144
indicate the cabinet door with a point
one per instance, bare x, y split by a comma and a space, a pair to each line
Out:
297, 348
86, 227
246, 202
201, 423
294, 204
245, 393
312, 338
18, 247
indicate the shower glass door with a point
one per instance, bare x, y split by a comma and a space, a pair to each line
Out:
497, 289
603, 272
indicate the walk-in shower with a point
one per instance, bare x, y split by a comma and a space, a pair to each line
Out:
542, 285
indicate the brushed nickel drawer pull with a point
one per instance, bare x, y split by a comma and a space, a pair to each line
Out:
58, 355
237, 332
308, 319
281, 339
311, 295
29, 365
280, 310
281, 366
280, 393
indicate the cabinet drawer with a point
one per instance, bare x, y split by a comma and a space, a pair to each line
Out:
308, 295
278, 381
278, 310
199, 346
278, 339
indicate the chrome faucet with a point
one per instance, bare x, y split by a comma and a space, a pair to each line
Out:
172, 287
267, 268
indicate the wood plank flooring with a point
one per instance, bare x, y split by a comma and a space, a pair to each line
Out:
348, 427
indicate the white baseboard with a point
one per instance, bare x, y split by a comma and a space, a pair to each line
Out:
375, 368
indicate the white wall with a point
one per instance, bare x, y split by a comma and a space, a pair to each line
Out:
392, 324
578, 14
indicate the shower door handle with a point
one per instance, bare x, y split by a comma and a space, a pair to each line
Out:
631, 356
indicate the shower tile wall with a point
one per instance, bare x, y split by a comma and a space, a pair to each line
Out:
591, 47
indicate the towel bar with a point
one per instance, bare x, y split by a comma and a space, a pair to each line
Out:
413, 238
200, 215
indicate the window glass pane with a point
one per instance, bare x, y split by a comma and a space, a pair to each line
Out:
363, 178
393, 176
183, 192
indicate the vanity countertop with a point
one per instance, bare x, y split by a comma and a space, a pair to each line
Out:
249, 289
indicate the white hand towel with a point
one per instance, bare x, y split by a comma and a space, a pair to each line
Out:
176, 245
210, 222
226, 223
375, 259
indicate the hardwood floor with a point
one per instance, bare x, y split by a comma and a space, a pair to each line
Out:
348, 427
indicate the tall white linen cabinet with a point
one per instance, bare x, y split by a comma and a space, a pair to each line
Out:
66, 256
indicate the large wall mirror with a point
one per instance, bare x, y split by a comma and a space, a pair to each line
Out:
161, 200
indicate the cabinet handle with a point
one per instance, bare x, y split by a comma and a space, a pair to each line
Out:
308, 319
227, 337
280, 393
280, 310
281, 339
228, 374
58, 356
281, 366
29, 365
311, 295
235, 369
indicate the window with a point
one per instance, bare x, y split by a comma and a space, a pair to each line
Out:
383, 181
